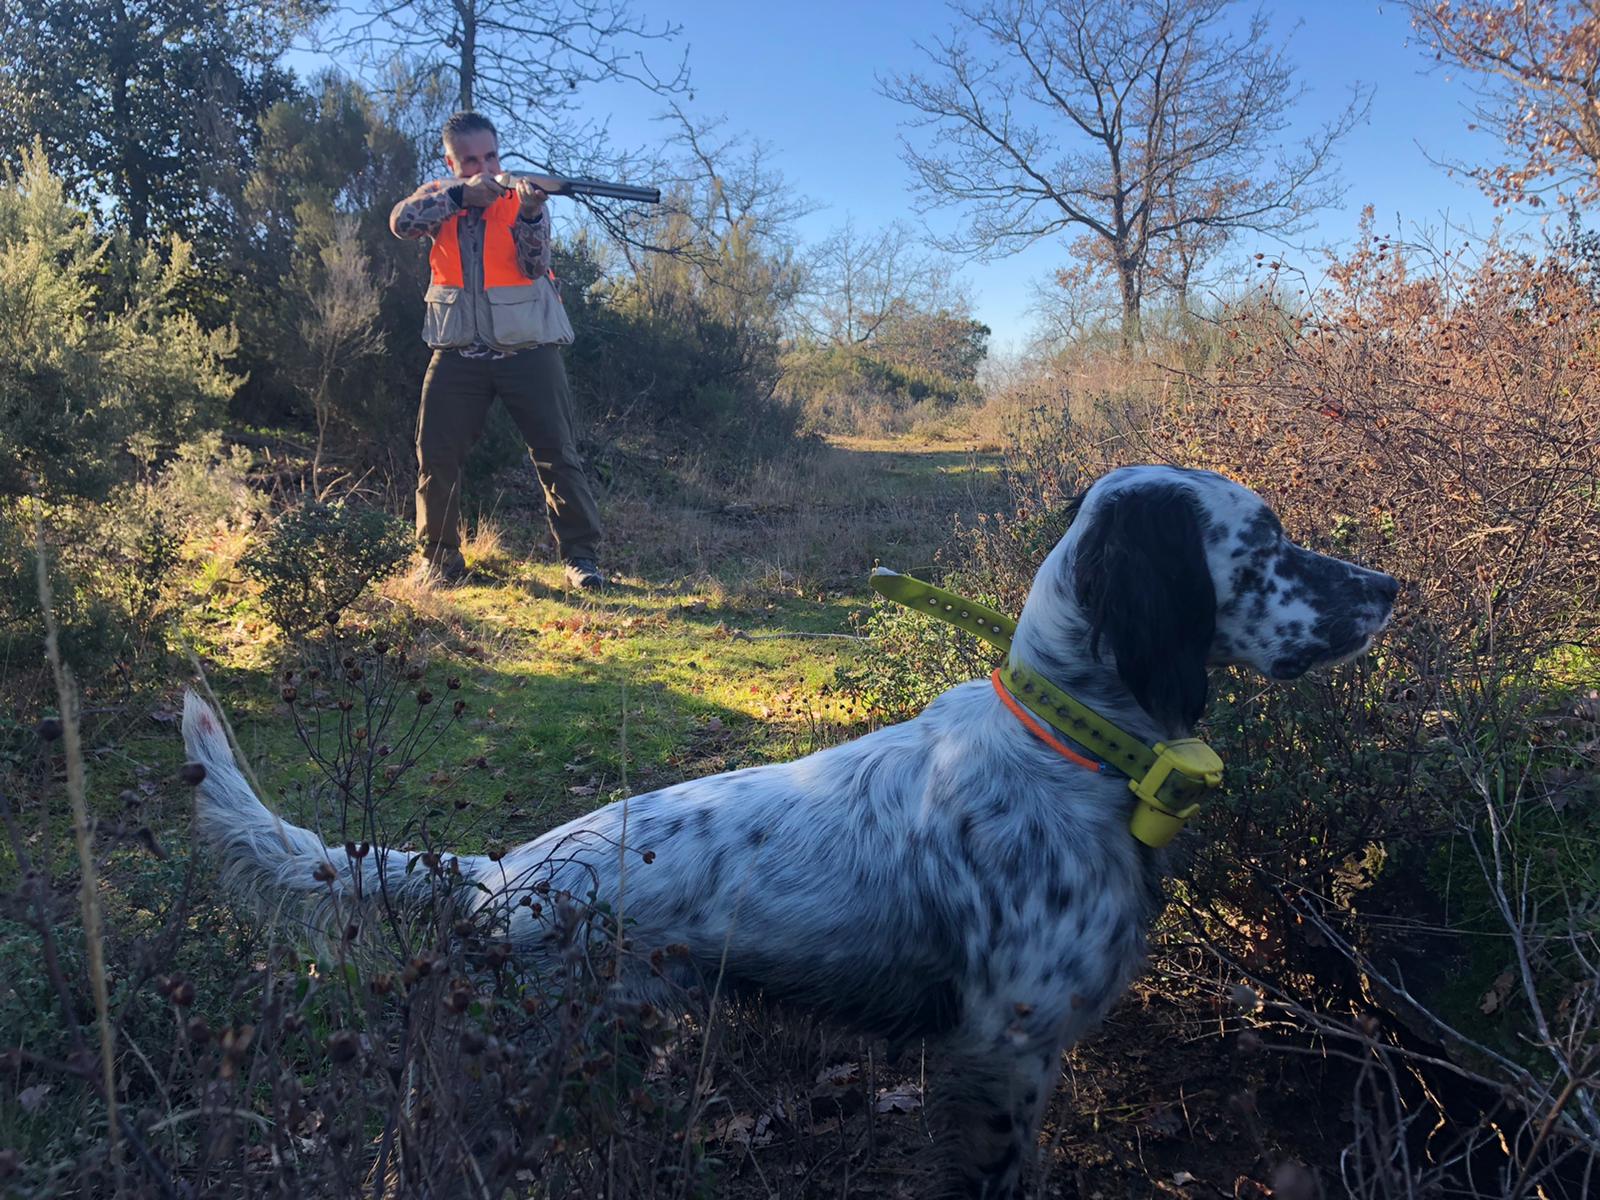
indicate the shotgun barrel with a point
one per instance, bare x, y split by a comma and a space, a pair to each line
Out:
557, 185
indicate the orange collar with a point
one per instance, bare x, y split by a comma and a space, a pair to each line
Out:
1031, 724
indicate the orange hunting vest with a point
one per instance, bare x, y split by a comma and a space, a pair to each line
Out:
504, 309
500, 267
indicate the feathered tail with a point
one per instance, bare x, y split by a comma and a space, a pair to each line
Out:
271, 861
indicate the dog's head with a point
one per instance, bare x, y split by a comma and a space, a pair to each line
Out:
1178, 570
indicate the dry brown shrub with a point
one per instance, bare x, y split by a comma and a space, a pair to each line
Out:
1437, 414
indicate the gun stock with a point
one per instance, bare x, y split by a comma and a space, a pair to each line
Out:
557, 185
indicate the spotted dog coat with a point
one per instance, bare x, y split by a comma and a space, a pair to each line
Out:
950, 878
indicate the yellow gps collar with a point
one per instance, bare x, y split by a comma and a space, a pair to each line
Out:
1169, 779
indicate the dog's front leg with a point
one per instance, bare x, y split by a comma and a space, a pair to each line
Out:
988, 1111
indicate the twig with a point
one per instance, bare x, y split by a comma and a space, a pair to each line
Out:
740, 635
94, 946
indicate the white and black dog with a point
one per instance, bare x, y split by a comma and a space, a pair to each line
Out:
951, 878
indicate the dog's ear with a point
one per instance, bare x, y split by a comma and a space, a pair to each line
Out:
1140, 576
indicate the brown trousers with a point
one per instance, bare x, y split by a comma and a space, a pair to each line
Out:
456, 395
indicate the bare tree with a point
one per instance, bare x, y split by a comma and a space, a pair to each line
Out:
1076, 300
1137, 121
859, 282
1536, 65
524, 63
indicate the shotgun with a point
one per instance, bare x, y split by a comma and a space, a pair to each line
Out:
555, 185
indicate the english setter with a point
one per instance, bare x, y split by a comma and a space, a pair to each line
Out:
950, 878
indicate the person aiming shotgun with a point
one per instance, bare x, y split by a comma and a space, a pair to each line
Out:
496, 324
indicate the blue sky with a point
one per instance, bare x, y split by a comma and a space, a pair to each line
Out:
802, 79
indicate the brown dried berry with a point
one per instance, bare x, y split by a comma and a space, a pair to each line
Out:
192, 773
323, 872
237, 1040
453, 683
48, 729
199, 1032
182, 993
343, 1046
424, 697
289, 694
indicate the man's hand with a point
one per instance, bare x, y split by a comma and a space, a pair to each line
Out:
532, 197
482, 190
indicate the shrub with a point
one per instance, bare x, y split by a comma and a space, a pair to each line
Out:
317, 558
1438, 418
95, 346
853, 390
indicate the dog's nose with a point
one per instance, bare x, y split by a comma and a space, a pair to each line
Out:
1387, 586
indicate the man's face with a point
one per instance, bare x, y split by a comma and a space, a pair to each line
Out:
472, 153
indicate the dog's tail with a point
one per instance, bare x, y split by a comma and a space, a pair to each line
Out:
272, 861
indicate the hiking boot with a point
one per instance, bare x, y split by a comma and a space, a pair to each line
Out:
585, 574
445, 565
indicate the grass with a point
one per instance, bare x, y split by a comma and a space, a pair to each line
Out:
730, 609
726, 619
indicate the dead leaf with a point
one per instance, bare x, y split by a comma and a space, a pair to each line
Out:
837, 1078
583, 789
904, 1099
1497, 993
735, 1129
1183, 1178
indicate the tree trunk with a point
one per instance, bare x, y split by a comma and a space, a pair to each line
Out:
131, 184
469, 54
1132, 332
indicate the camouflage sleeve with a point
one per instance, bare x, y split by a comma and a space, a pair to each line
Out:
420, 214
533, 244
